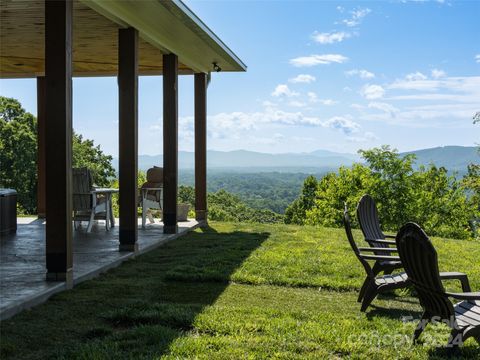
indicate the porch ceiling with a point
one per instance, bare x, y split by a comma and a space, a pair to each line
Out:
164, 27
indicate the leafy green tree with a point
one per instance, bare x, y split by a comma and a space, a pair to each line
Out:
86, 154
224, 206
295, 213
18, 155
429, 196
392, 183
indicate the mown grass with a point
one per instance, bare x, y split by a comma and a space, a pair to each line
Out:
231, 292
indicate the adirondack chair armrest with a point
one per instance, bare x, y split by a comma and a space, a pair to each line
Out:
382, 241
380, 257
465, 296
463, 278
390, 236
370, 249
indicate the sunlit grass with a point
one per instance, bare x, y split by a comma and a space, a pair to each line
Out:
231, 292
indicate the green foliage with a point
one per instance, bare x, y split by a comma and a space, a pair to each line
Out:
186, 195
296, 212
429, 196
18, 155
263, 190
224, 206
86, 154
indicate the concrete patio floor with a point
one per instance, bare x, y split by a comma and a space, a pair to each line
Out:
22, 259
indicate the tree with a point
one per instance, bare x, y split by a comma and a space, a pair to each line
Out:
18, 155
86, 154
430, 196
295, 213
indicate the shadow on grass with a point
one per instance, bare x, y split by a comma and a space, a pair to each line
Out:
136, 310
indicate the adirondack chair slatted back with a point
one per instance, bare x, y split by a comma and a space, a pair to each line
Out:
367, 215
353, 244
82, 185
420, 261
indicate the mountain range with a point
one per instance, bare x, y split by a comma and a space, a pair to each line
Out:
454, 158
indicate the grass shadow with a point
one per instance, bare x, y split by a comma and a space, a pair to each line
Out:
136, 310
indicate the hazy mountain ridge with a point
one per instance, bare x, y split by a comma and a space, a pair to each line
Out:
454, 158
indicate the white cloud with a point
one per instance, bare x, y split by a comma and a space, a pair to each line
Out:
313, 60
345, 124
340, 9
356, 17
451, 86
477, 58
367, 136
372, 92
302, 78
362, 73
416, 76
437, 74
327, 102
295, 103
385, 107
330, 38
312, 97
283, 90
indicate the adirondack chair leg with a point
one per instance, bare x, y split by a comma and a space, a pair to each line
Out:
144, 215
90, 222
363, 289
420, 327
370, 295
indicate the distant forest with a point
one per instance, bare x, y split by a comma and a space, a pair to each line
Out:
261, 190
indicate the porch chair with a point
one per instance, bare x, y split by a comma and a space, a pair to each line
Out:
151, 194
420, 261
374, 284
87, 206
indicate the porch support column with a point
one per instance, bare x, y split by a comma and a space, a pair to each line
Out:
58, 139
41, 147
170, 142
128, 137
201, 147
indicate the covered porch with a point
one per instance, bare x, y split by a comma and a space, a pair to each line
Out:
22, 259
55, 40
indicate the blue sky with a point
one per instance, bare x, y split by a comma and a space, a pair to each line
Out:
328, 75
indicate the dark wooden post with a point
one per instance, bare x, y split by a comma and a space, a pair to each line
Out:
58, 139
201, 147
170, 142
128, 137
41, 146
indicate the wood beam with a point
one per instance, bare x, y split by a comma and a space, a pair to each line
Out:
201, 147
170, 142
128, 137
58, 139
41, 211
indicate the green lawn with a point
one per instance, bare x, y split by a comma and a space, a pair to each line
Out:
233, 292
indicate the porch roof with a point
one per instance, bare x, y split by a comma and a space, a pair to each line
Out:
165, 26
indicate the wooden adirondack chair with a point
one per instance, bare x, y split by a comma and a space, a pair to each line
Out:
373, 284
367, 216
420, 261
87, 206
